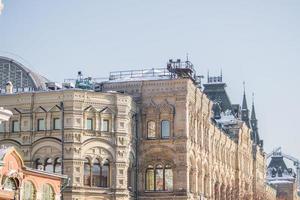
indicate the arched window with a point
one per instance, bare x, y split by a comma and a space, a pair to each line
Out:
96, 173
165, 129
9, 184
38, 164
57, 165
48, 165
29, 191
105, 174
150, 178
87, 172
130, 177
159, 178
168, 178
48, 192
151, 130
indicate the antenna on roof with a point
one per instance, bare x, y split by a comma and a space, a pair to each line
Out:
221, 75
252, 97
208, 76
187, 56
244, 86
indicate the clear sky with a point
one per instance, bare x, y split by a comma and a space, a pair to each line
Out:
253, 41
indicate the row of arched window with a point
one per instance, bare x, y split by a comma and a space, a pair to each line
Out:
48, 165
159, 178
29, 190
96, 174
165, 129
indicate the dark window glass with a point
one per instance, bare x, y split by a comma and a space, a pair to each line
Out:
87, 172
105, 174
15, 126
96, 173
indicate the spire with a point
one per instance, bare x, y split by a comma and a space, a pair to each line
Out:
253, 115
245, 110
244, 105
253, 121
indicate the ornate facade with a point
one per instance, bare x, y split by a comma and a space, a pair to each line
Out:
98, 138
140, 139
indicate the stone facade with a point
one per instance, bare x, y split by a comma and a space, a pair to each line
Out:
158, 140
207, 163
35, 130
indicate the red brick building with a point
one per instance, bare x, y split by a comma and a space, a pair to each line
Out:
20, 182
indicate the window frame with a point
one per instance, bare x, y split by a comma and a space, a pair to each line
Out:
107, 127
39, 124
2, 127
57, 161
54, 123
161, 129
87, 162
154, 169
88, 179
48, 163
92, 125
155, 130
13, 129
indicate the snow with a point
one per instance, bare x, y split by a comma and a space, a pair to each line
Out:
227, 118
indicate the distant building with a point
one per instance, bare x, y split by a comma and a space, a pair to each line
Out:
282, 178
20, 76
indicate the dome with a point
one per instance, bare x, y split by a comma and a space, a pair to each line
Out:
21, 77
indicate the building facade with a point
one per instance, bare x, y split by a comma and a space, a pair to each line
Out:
285, 180
149, 137
98, 141
20, 182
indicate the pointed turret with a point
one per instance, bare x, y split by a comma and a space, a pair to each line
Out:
245, 110
253, 121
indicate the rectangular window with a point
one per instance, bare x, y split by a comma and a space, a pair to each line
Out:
15, 126
41, 124
2, 127
165, 129
105, 125
89, 124
56, 124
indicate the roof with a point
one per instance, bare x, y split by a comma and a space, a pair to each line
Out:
216, 92
19, 75
277, 162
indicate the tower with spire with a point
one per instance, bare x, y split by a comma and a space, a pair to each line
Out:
245, 110
253, 122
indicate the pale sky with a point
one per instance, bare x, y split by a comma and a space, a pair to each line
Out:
253, 41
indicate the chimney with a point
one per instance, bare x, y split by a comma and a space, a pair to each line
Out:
9, 88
